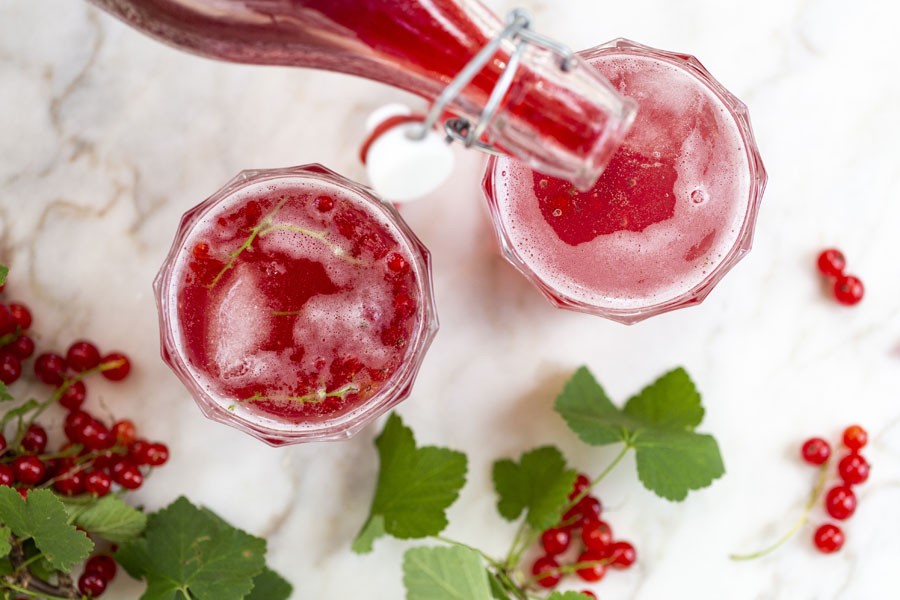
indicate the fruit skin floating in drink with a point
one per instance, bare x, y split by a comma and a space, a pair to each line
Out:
295, 305
674, 210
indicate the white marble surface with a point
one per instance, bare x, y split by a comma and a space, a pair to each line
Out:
106, 137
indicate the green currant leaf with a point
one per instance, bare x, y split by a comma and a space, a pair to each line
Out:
109, 517
5, 396
188, 551
43, 517
40, 568
6, 568
444, 573
539, 484
269, 585
498, 590
658, 423
415, 487
567, 596
4, 541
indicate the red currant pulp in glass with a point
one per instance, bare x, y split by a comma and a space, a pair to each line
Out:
831, 262
91, 584
124, 431
29, 469
853, 469
621, 555
555, 541
596, 535
35, 439
855, 437
596, 571
21, 315
548, 565
848, 290
98, 483
323, 203
129, 477
828, 538
74, 395
581, 483
22, 347
816, 451
103, 565
397, 264
119, 372
82, 356
10, 368
7, 476
72, 484
840, 502
50, 368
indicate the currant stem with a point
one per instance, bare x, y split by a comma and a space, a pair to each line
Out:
816, 493
565, 570
30, 593
492, 561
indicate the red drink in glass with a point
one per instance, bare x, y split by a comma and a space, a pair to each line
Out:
674, 210
295, 305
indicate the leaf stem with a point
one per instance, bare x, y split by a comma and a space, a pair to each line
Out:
814, 497
492, 561
30, 593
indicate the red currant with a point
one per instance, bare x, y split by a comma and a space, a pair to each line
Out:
124, 431
82, 356
119, 372
840, 502
589, 508
156, 455
98, 483
75, 423
2, 443
828, 538
848, 290
853, 469
555, 541
581, 483
29, 469
7, 475
95, 436
50, 368
137, 451
21, 315
22, 348
397, 264
831, 262
129, 477
323, 203
596, 571
35, 439
7, 323
596, 535
23, 492
10, 368
855, 437
103, 565
74, 395
71, 485
816, 451
548, 565
91, 584
621, 555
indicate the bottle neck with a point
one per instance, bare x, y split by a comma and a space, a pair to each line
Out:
566, 124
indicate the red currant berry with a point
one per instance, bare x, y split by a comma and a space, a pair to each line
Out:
323, 203
82, 356
548, 565
119, 372
72, 485
98, 483
74, 395
7, 323
397, 264
853, 469
840, 502
91, 584
119, 464
596, 535
589, 508
855, 437
828, 538
129, 477
816, 451
124, 431
22, 348
555, 541
581, 483
621, 555
137, 451
75, 423
156, 455
95, 436
50, 368
29, 469
10, 368
832, 262
597, 570
588, 593
35, 439
2, 443
23, 492
103, 565
21, 315
7, 475
848, 290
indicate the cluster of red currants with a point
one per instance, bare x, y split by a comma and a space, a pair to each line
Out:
840, 501
598, 549
848, 289
15, 344
99, 570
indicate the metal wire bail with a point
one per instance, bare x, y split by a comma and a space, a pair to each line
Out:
518, 29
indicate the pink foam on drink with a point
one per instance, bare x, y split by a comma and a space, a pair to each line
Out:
668, 211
